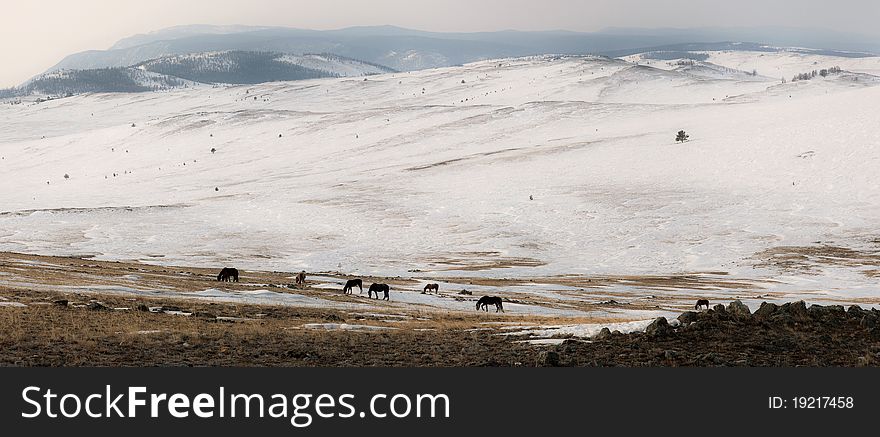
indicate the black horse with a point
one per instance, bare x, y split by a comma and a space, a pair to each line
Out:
228, 275
351, 284
485, 301
701, 303
431, 287
301, 278
376, 288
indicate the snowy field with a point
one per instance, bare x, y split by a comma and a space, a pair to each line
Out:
430, 173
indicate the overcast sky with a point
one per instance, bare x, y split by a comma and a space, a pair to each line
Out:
36, 34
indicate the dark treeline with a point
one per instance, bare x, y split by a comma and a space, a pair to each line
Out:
823, 72
235, 67
672, 55
102, 80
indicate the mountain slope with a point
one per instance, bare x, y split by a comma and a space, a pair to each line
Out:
406, 49
515, 167
232, 67
103, 80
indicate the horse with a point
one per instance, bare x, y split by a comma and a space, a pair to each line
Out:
485, 301
351, 284
301, 278
228, 275
376, 288
701, 303
431, 287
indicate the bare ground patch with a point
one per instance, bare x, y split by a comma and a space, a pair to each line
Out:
810, 259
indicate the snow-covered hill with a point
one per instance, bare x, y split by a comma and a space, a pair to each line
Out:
240, 67
515, 167
335, 65
193, 69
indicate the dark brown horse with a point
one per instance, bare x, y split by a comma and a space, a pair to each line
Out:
701, 303
349, 286
228, 275
301, 278
376, 288
485, 301
431, 287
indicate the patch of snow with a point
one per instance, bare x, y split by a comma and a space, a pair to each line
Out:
583, 331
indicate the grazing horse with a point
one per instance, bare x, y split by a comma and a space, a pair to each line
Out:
301, 278
228, 275
349, 286
701, 303
431, 287
376, 288
485, 301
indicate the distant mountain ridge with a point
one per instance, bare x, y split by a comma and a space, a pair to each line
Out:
406, 49
169, 72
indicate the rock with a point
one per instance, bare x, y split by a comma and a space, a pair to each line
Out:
604, 334
797, 310
818, 311
143, 308
616, 333
548, 359
687, 317
856, 311
465, 292
739, 309
836, 309
658, 327
61, 303
719, 309
826, 313
766, 310
96, 306
675, 323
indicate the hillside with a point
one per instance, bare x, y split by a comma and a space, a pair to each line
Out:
512, 168
230, 67
102, 80
234, 67
407, 49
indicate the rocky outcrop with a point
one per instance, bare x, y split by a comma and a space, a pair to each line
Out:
766, 311
790, 334
659, 327
687, 317
739, 309
604, 334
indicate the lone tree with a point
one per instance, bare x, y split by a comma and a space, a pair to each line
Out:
682, 136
